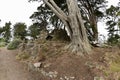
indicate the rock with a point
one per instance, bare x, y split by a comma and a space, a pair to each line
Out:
37, 65
98, 78
72, 78
67, 78
49, 74
52, 74
61, 78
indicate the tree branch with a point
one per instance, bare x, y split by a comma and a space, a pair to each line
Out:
57, 8
54, 9
60, 14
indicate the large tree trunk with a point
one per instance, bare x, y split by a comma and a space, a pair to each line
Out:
74, 24
79, 37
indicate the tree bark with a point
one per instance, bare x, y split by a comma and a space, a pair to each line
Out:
74, 23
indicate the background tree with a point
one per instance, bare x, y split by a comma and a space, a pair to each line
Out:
113, 23
1, 31
92, 11
7, 31
20, 30
34, 31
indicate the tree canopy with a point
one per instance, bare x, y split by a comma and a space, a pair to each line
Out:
113, 23
20, 30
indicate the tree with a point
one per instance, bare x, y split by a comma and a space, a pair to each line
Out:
91, 12
113, 23
7, 31
20, 30
1, 31
34, 31
74, 24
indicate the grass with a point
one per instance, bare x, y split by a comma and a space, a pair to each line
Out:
22, 56
115, 67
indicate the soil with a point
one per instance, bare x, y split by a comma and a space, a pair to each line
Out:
10, 68
68, 66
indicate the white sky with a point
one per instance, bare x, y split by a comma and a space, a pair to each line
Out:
16, 11
21, 10
101, 25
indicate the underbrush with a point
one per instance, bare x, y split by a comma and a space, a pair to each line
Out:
14, 44
3, 44
40, 50
113, 61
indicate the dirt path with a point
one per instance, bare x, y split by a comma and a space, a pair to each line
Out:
10, 68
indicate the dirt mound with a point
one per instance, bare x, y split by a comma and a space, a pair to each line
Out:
59, 64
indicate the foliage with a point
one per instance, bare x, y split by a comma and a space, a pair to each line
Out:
92, 11
1, 31
14, 44
2, 44
7, 32
113, 23
61, 34
20, 30
115, 64
34, 31
22, 56
2, 40
113, 40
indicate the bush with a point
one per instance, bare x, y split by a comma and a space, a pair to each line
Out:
114, 40
61, 34
2, 40
22, 56
3, 44
14, 44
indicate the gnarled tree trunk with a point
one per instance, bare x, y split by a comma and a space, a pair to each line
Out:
74, 24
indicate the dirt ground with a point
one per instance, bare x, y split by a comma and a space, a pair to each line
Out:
67, 66
10, 68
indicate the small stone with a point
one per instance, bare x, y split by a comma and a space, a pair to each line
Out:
37, 65
61, 78
51, 76
99, 78
66, 78
72, 78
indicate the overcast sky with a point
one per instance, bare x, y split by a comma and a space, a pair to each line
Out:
20, 11
101, 25
16, 11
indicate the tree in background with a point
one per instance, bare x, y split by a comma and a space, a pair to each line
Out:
92, 11
20, 30
1, 31
34, 31
113, 23
7, 32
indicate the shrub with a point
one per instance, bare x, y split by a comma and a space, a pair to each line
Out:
61, 34
2, 40
22, 56
3, 44
14, 44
